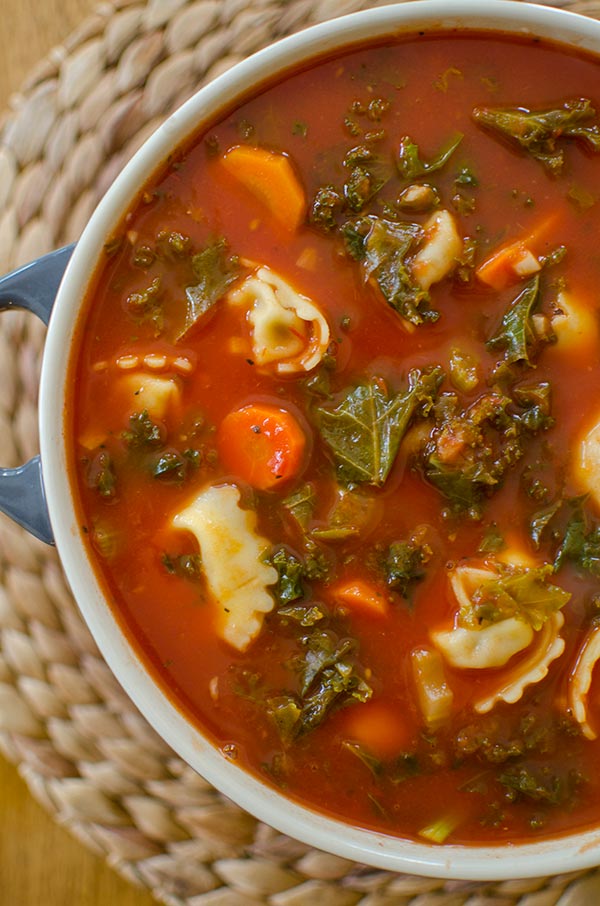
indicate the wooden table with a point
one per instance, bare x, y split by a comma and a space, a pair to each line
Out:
40, 863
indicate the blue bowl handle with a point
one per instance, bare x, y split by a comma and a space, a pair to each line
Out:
33, 288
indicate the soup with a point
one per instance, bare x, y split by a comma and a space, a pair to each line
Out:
335, 441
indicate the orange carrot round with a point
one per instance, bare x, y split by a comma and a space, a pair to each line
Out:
261, 444
378, 727
271, 178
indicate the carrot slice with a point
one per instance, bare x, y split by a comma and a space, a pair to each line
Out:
261, 444
271, 178
516, 260
378, 727
359, 595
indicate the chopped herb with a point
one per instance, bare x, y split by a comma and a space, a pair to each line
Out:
169, 466
144, 257
537, 132
172, 245
186, 566
365, 428
101, 475
300, 129
466, 177
409, 161
493, 540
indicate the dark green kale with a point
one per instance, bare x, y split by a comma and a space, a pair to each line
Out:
365, 428
214, 271
145, 307
383, 247
410, 165
290, 572
329, 678
327, 203
170, 466
143, 432
535, 401
541, 784
538, 132
470, 451
403, 565
516, 335
581, 541
367, 174
300, 505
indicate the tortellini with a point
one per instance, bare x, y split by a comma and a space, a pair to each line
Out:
587, 463
547, 646
233, 560
493, 646
575, 324
480, 649
289, 332
440, 251
581, 680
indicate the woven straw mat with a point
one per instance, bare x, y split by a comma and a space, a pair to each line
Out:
86, 753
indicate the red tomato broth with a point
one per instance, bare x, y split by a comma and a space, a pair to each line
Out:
171, 619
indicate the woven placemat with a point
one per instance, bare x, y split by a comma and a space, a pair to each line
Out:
85, 752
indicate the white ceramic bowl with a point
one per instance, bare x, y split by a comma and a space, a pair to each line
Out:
534, 859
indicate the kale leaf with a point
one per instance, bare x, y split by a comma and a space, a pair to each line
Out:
145, 307
329, 678
365, 428
516, 334
351, 511
537, 132
300, 505
581, 541
470, 452
143, 432
214, 271
410, 164
367, 174
403, 565
383, 247
521, 592
290, 572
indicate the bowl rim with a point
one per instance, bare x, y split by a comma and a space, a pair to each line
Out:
479, 863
